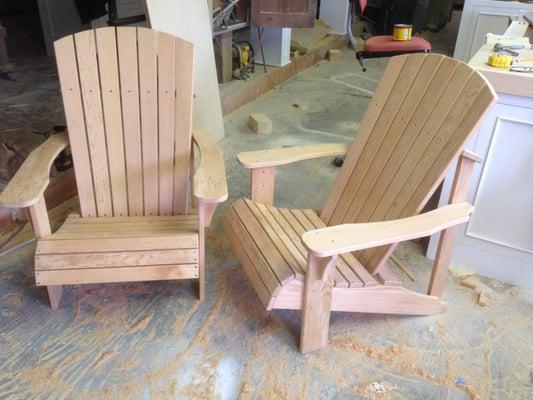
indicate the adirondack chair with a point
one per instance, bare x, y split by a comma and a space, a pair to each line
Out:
127, 95
416, 126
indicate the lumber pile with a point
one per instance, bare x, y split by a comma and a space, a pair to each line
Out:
304, 40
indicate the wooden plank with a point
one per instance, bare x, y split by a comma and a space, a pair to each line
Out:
167, 89
381, 94
106, 45
116, 275
277, 240
228, 221
256, 231
387, 278
183, 129
115, 259
72, 103
190, 20
94, 120
129, 89
288, 155
260, 85
247, 246
79, 246
147, 41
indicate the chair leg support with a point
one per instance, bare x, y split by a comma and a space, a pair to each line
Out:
317, 303
262, 185
54, 295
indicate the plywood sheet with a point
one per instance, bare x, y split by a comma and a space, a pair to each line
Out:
189, 20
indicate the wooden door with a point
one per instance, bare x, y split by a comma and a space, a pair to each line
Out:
284, 13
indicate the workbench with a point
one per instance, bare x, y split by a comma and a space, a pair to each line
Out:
498, 240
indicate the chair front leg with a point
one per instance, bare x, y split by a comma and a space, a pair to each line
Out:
317, 302
463, 174
262, 185
37, 215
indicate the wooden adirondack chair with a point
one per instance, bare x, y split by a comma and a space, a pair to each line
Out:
127, 94
420, 117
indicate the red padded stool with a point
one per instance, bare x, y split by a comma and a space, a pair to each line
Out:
386, 46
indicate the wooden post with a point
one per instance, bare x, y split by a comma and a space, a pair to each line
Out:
262, 185
202, 210
458, 193
317, 302
224, 56
37, 214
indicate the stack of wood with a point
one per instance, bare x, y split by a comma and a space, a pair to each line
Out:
304, 40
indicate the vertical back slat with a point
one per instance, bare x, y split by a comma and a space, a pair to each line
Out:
183, 128
72, 102
382, 93
167, 99
129, 88
106, 45
94, 120
147, 44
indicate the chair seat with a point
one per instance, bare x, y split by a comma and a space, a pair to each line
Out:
119, 249
267, 241
386, 43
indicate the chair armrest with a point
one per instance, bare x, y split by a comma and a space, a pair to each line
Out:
283, 156
346, 238
210, 184
32, 178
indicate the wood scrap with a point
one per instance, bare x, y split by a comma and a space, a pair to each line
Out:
306, 39
400, 265
334, 55
260, 124
470, 282
482, 299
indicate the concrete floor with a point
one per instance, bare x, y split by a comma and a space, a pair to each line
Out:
155, 341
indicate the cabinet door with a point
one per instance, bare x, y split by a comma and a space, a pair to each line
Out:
284, 13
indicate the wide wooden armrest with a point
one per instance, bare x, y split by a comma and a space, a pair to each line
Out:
346, 238
210, 184
283, 156
32, 178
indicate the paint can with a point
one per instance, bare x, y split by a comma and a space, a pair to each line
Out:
402, 32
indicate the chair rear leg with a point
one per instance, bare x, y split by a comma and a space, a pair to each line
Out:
54, 295
317, 303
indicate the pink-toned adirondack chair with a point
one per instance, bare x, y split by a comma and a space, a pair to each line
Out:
417, 124
127, 94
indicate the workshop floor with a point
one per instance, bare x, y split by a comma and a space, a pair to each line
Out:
156, 341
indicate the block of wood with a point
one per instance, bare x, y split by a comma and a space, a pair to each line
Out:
260, 124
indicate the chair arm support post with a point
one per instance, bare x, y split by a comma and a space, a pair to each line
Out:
262, 182
37, 216
458, 193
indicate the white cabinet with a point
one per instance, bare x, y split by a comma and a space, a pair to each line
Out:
498, 240
485, 16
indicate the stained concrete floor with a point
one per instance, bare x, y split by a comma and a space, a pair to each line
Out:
156, 341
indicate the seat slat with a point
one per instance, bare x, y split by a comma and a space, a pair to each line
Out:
71, 92
167, 97
297, 269
340, 279
183, 130
259, 264
68, 246
106, 44
116, 275
274, 259
148, 77
94, 120
362, 274
342, 266
129, 89
115, 259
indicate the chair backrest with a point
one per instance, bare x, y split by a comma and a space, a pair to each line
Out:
419, 120
127, 94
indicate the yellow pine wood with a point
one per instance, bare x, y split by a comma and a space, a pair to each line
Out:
262, 182
72, 103
346, 238
29, 183
106, 45
94, 120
